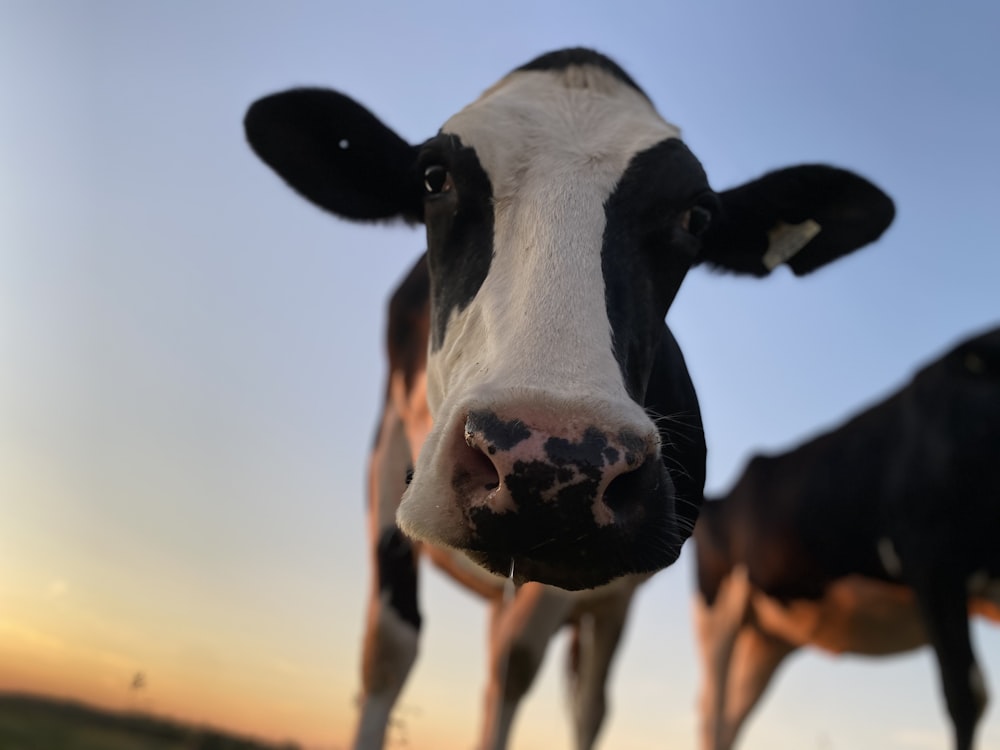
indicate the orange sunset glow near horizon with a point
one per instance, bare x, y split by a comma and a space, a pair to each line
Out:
56, 647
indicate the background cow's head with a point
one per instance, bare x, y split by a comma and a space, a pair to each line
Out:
562, 213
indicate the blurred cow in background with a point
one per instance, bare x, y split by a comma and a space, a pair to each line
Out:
874, 538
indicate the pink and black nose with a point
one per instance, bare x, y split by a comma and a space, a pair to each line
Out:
561, 503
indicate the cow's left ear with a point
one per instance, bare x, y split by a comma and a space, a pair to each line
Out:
336, 154
804, 217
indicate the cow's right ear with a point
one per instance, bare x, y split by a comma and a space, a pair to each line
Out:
337, 154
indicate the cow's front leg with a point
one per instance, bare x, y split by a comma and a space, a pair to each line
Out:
391, 637
944, 607
520, 633
596, 641
393, 622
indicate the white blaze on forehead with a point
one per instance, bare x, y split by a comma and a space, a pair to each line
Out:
569, 120
554, 145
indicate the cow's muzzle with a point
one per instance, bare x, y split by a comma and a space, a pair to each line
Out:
573, 507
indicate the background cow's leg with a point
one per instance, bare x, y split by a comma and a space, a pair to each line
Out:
944, 606
520, 634
717, 626
393, 623
756, 656
596, 640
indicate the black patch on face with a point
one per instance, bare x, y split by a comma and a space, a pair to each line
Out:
671, 395
562, 59
397, 574
646, 251
498, 434
459, 230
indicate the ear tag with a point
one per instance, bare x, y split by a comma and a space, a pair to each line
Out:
785, 240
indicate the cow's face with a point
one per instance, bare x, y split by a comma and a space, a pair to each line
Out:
559, 221
562, 213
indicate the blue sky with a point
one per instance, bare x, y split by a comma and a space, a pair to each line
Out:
192, 354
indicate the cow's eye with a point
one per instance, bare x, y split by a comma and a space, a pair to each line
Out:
437, 180
696, 220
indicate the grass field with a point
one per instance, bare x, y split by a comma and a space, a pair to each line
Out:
34, 723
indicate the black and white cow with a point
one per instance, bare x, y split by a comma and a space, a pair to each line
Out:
874, 538
530, 367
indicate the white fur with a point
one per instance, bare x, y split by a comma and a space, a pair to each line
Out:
553, 154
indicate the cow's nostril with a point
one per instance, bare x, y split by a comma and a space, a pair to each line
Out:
477, 467
624, 494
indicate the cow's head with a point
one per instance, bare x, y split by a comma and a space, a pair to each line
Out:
562, 213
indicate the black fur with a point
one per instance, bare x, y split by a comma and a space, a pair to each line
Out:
645, 253
336, 153
673, 403
397, 574
459, 230
886, 469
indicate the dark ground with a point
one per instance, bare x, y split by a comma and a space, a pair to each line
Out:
35, 723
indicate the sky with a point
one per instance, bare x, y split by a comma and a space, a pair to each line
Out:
191, 355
